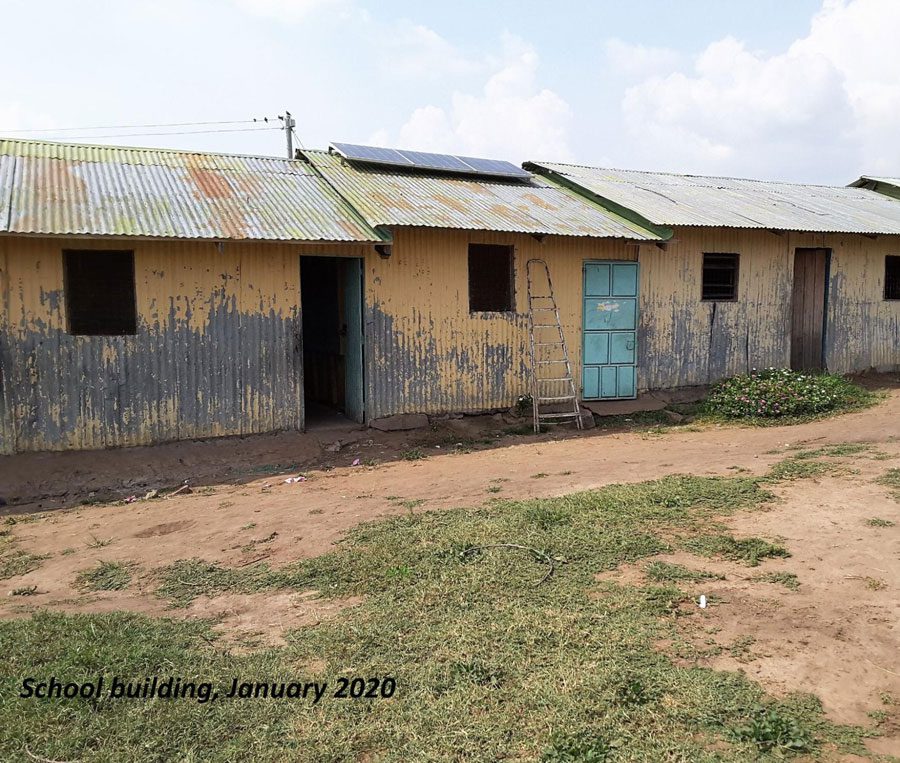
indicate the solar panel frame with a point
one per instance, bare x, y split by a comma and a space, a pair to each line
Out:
373, 154
424, 160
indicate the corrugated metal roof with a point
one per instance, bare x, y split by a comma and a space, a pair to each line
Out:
693, 200
388, 197
68, 189
878, 179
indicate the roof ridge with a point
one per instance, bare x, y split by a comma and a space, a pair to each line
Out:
142, 149
685, 175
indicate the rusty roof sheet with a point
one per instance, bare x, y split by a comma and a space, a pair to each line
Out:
389, 197
69, 189
694, 200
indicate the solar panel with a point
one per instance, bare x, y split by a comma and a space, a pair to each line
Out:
371, 154
436, 161
424, 160
495, 167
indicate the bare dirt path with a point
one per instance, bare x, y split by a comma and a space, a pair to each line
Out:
281, 522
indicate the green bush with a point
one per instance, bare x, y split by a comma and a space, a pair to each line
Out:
780, 393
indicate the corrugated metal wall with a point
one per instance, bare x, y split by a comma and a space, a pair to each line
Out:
863, 328
685, 341
427, 353
218, 350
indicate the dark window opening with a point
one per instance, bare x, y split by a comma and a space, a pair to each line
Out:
99, 290
491, 286
720, 277
892, 276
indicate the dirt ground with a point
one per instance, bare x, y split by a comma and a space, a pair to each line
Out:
837, 635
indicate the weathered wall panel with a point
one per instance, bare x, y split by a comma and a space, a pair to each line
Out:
863, 329
427, 353
684, 341
217, 352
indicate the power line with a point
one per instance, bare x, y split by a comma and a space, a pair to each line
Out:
178, 132
136, 127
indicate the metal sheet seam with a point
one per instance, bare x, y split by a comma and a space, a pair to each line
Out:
379, 230
8, 211
627, 216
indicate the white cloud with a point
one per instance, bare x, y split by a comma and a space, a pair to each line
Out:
826, 108
640, 60
413, 50
511, 117
290, 11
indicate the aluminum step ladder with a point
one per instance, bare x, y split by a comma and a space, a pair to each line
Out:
554, 398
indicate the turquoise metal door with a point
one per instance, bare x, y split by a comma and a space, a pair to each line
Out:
354, 397
609, 356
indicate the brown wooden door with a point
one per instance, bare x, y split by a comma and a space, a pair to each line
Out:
808, 313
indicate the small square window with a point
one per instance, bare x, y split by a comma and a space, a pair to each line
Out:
892, 276
491, 286
720, 277
100, 298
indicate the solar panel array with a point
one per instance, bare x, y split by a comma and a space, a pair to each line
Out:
423, 160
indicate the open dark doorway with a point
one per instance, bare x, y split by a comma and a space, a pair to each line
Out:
331, 304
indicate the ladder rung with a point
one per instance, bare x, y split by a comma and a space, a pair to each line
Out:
543, 309
570, 414
545, 326
555, 399
548, 344
550, 362
557, 379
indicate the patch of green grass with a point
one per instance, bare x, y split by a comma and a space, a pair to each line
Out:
105, 576
769, 728
412, 503
413, 454
96, 542
877, 522
676, 573
749, 551
494, 489
840, 449
489, 665
787, 579
891, 479
796, 469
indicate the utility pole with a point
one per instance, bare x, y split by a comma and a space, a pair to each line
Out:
289, 124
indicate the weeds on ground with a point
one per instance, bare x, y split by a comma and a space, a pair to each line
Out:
413, 454
13, 560
787, 579
749, 551
105, 576
891, 479
877, 522
676, 573
779, 395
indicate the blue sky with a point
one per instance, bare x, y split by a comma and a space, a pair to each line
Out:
805, 90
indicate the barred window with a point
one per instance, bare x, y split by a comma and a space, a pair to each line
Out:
720, 277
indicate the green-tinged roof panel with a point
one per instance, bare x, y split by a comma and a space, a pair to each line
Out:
388, 197
695, 200
73, 189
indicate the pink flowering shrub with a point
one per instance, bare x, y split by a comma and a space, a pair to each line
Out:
779, 392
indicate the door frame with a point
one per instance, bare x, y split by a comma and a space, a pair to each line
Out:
359, 415
637, 322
